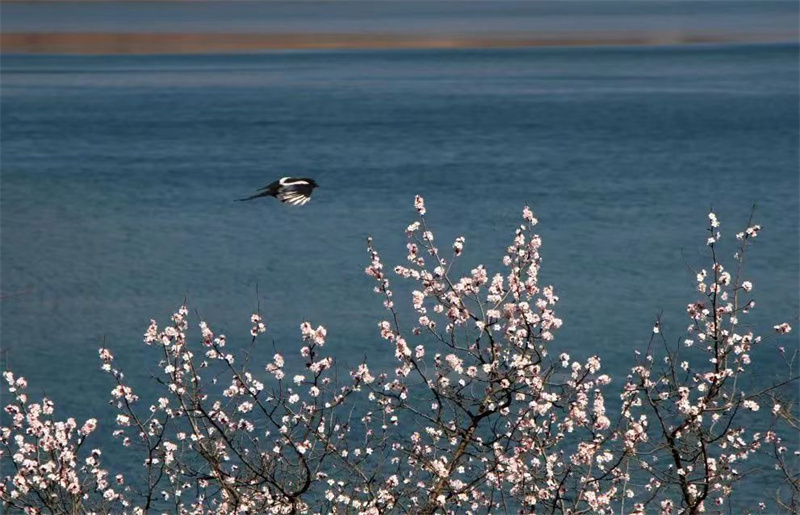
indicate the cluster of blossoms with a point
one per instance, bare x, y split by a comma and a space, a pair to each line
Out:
480, 414
49, 469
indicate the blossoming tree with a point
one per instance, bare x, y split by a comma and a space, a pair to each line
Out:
481, 414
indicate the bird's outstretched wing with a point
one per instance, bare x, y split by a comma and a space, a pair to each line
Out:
295, 194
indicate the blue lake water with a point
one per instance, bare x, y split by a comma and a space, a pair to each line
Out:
770, 19
119, 174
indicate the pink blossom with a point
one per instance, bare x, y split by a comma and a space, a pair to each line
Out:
783, 328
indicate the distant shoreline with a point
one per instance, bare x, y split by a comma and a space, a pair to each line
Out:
192, 43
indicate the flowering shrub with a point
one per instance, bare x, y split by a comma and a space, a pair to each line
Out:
482, 413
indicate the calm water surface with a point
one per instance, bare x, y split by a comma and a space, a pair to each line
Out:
777, 18
118, 175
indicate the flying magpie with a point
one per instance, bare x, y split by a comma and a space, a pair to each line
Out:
294, 190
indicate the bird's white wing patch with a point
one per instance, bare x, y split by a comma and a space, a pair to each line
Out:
288, 181
294, 198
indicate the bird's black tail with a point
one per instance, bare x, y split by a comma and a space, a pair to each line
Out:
258, 195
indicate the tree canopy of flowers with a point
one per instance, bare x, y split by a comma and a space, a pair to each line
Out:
482, 412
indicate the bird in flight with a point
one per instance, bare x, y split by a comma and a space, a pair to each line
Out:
292, 190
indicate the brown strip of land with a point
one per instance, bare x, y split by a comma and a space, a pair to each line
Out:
161, 43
